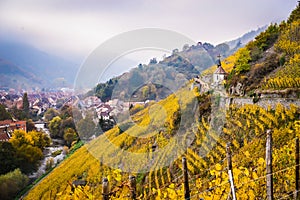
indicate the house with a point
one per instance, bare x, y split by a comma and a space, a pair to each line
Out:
103, 111
7, 127
104, 116
4, 134
219, 75
91, 101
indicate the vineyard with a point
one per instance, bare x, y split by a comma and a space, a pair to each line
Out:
245, 129
287, 46
287, 77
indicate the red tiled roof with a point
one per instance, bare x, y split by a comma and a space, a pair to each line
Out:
5, 122
12, 125
3, 135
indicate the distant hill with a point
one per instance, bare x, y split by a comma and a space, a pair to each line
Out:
178, 68
13, 76
247, 37
158, 78
48, 68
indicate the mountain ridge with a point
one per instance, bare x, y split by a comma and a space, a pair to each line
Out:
13, 76
45, 66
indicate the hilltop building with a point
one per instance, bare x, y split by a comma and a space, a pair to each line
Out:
219, 75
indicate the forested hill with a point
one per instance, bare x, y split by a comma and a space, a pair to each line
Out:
200, 128
180, 66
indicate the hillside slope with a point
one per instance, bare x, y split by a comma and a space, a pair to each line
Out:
245, 129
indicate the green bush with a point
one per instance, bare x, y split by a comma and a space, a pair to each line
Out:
12, 183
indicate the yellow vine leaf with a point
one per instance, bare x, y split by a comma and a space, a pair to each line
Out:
254, 175
247, 154
218, 167
261, 161
246, 172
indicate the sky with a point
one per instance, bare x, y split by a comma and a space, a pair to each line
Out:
74, 28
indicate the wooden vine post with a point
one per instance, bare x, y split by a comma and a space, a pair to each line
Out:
185, 179
269, 166
105, 189
230, 174
132, 187
296, 195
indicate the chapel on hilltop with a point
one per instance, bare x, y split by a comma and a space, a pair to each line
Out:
219, 75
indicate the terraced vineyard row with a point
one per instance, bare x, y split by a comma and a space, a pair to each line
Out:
245, 129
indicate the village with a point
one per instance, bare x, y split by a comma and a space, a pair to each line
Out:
40, 102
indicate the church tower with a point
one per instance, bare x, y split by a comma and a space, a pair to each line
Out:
220, 74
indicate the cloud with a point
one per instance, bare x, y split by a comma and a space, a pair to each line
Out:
77, 27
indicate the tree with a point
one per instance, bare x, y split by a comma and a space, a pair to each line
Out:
105, 125
49, 163
29, 148
65, 124
289, 40
32, 138
12, 183
65, 112
26, 104
145, 91
50, 114
3, 113
153, 61
8, 158
242, 62
30, 126
104, 90
19, 114
295, 15
86, 127
70, 136
54, 127
265, 39
40, 139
